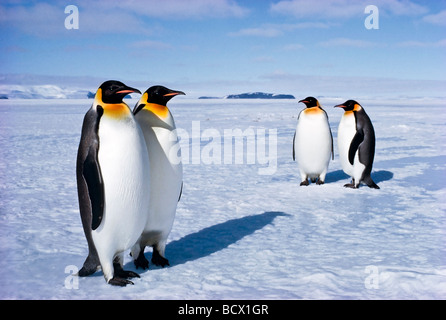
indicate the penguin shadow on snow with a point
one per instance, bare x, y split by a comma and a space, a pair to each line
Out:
213, 239
381, 176
377, 176
335, 176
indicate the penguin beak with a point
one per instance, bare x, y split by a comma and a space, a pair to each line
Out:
128, 90
339, 106
303, 101
174, 93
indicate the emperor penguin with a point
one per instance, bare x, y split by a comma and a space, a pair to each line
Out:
158, 126
313, 142
356, 143
113, 181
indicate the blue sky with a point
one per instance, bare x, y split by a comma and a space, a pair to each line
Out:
217, 47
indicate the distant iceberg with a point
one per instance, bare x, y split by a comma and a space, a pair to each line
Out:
253, 95
41, 92
45, 92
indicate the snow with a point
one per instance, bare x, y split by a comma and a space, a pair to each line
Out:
40, 92
238, 234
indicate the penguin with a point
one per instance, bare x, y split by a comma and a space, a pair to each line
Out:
356, 143
313, 142
113, 180
158, 126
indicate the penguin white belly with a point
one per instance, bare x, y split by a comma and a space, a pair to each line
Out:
166, 178
124, 166
166, 183
312, 144
346, 132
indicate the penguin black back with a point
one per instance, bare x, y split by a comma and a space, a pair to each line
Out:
363, 141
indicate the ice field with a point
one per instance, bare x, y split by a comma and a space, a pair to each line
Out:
242, 230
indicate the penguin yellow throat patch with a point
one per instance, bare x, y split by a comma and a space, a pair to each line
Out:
160, 110
112, 110
313, 110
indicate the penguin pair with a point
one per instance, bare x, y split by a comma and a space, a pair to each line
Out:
313, 143
123, 203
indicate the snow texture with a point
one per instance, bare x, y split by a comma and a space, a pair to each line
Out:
237, 234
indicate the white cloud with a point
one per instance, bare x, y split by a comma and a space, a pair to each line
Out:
345, 42
276, 30
47, 20
111, 16
323, 9
422, 44
150, 44
293, 47
264, 59
180, 9
40, 19
437, 19
268, 32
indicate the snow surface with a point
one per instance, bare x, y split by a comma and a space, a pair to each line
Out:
237, 234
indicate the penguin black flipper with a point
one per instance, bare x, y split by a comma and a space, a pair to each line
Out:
84, 172
354, 145
93, 177
294, 151
138, 107
181, 192
91, 170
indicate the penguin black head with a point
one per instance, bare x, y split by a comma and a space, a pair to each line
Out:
349, 105
161, 95
114, 91
310, 102
157, 95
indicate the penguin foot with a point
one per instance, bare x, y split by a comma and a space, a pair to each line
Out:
158, 260
350, 185
121, 273
85, 272
90, 266
127, 274
121, 282
141, 261
373, 185
320, 182
305, 183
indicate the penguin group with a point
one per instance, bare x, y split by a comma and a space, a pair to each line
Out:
129, 181
313, 143
128, 184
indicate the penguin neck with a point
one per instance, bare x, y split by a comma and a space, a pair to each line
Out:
313, 110
158, 109
114, 110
